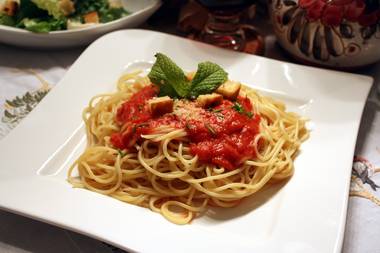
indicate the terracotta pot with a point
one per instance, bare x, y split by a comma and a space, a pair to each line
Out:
333, 33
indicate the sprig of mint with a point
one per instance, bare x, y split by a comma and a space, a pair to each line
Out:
173, 83
166, 73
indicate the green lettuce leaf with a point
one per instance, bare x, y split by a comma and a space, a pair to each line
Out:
43, 26
51, 6
105, 12
28, 9
7, 20
111, 14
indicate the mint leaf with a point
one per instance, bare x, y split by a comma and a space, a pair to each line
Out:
167, 90
166, 73
156, 75
208, 78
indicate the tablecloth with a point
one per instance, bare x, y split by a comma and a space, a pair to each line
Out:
26, 76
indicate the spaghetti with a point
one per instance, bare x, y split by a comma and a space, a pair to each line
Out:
160, 165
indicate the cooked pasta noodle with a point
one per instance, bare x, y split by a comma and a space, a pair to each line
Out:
159, 172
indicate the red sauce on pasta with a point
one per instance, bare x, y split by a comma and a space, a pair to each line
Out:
222, 135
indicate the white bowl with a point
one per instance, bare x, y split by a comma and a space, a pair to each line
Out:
140, 10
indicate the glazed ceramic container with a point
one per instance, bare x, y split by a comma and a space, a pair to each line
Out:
341, 34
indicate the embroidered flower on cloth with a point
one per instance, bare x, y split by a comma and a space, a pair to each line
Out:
17, 108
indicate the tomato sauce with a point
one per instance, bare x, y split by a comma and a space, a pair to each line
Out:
222, 135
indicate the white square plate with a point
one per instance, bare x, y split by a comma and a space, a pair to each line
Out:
305, 214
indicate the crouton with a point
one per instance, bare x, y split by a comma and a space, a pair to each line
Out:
229, 89
67, 7
209, 100
91, 17
10, 7
161, 105
115, 3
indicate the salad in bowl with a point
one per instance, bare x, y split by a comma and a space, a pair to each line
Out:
52, 24
42, 16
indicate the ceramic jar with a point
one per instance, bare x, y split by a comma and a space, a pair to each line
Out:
342, 34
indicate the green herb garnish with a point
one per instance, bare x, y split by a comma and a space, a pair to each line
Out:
219, 115
173, 83
188, 126
210, 129
240, 109
142, 124
121, 153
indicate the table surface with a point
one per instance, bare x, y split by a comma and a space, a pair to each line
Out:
22, 76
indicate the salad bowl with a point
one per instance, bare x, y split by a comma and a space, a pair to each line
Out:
139, 11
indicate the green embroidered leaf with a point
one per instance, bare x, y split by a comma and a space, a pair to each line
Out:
21, 107
40, 95
29, 97
26, 99
18, 102
10, 103
28, 108
8, 114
